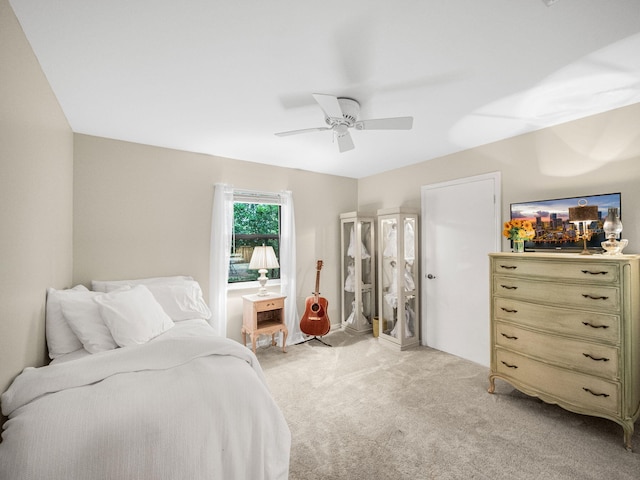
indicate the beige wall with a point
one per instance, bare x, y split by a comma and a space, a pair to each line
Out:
145, 211
36, 175
599, 154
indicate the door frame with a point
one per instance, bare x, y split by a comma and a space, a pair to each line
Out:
497, 219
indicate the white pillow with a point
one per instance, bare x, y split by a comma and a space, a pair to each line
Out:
133, 316
110, 285
181, 301
84, 318
60, 338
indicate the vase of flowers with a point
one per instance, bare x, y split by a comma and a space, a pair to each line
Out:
518, 231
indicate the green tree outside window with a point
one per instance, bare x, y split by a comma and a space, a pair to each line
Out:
254, 224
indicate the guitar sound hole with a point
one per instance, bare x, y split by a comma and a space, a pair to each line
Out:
315, 307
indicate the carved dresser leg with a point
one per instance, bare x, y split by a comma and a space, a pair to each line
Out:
492, 384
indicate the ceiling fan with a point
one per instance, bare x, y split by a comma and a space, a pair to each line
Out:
341, 114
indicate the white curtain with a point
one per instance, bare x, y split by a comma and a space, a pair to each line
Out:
221, 230
288, 268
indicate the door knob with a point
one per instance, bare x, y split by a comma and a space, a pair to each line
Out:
431, 276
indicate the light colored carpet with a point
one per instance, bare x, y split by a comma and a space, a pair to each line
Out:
362, 410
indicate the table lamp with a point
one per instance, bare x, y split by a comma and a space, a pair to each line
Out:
262, 259
583, 215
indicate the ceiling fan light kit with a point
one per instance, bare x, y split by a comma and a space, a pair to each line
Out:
341, 114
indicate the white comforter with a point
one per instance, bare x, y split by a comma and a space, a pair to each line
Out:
186, 405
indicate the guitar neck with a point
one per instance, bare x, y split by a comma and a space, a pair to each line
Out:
317, 291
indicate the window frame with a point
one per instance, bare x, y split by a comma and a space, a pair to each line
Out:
256, 197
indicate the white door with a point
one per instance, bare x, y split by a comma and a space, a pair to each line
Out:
461, 225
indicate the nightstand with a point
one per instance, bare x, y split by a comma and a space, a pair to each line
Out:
263, 315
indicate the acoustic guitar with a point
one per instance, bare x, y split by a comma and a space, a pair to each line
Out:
315, 320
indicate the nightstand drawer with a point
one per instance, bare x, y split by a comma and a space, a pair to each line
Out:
268, 304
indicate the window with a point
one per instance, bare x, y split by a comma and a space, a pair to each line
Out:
256, 221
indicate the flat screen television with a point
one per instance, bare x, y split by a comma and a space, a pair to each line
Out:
550, 219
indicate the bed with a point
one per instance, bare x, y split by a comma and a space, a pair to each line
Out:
164, 398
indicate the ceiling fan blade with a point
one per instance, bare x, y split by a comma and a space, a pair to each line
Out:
329, 105
304, 130
397, 123
345, 142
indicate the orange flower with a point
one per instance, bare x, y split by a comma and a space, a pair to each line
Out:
518, 229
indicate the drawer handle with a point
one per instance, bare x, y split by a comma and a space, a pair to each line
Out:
509, 287
588, 272
600, 359
594, 326
508, 310
508, 336
586, 295
507, 365
508, 267
605, 395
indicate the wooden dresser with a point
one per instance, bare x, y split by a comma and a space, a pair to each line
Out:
566, 328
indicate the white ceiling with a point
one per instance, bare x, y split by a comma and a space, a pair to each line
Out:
221, 77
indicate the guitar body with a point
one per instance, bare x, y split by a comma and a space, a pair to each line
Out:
315, 320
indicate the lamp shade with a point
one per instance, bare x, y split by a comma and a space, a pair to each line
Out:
263, 258
583, 213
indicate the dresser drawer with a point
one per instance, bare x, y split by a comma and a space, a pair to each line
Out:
599, 327
606, 273
587, 357
589, 297
582, 391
